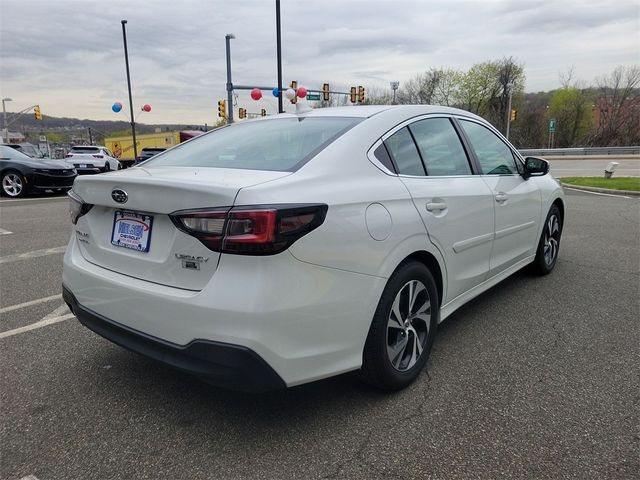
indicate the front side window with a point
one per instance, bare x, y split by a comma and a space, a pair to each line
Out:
494, 156
281, 144
440, 147
404, 152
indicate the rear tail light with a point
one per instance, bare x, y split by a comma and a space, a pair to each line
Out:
68, 155
99, 156
77, 207
259, 230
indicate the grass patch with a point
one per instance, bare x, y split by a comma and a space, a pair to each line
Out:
615, 183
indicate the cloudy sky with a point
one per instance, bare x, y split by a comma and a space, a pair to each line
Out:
67, 55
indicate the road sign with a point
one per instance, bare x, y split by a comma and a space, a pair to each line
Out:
314, 97
552, 125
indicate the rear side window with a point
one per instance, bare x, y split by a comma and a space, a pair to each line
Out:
440, 147
404, 152
85, 150
494, 156
282, 144
383, 157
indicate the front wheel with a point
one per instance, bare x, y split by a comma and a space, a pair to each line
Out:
403, 328
549, 244
13, 184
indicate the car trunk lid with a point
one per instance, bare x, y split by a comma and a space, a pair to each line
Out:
161, 253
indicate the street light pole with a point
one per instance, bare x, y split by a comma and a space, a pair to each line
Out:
4, 117
126, 61
227, 39
279, 54
394, 87
510, 87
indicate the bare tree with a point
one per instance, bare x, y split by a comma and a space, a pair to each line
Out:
617, 108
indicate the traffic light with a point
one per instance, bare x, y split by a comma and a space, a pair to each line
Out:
514, 115
263, 112
361, 94
222, 109
353, 95
37, 113
294, 85
242, 113
325, 92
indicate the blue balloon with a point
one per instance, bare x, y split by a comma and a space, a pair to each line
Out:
116, 107
275, 92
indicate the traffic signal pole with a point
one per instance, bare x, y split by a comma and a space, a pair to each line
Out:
279, 54
228, 38
126, 61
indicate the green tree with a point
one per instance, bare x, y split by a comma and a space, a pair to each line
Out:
572, 110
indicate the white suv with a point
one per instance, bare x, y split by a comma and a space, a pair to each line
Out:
280, 251
88, 159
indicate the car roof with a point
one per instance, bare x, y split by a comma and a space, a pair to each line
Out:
366, 111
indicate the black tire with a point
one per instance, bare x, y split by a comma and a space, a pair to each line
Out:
107, 167
9, 184
378, 369
549, 243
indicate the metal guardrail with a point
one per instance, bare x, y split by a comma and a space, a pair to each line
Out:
551, 152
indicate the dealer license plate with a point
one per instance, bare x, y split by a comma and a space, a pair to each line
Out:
132, 230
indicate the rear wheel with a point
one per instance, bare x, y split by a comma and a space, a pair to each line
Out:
549, 244
107, 167
13, 184
403, 328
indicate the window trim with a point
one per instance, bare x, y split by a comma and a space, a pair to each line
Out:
516, 155
475, 171
395, 164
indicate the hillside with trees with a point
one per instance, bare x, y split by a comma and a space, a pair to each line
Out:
604, 114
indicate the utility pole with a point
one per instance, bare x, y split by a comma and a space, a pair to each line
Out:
510, 87
227, 39
126, 61
5, 133
279, 54
90, 136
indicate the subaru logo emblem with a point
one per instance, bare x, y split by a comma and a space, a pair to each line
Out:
119, 195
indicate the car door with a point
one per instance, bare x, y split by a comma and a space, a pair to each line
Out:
517, 201
456, 206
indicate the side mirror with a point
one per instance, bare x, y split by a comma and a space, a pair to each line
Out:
534, 166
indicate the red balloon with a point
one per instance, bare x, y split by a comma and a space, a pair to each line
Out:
302, 92
147, 108
256, 94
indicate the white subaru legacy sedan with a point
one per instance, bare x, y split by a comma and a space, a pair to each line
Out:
280, 251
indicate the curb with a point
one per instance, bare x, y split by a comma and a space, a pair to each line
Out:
631, 193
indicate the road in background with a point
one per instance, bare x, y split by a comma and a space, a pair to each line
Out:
593, 168
537, 378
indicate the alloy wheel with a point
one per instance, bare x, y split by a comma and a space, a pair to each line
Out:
551, 240
12, 184
408, 325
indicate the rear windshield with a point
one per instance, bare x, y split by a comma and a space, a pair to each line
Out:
85, 149
282, 144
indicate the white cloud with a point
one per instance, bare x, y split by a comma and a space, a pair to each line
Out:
67, 55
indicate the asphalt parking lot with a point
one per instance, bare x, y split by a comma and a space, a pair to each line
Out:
537, 378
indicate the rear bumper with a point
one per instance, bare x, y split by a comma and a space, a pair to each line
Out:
306, 322
223, 364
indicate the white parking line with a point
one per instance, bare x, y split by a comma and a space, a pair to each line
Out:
50, 319
5, 232
32, 254
28, 304
40, 199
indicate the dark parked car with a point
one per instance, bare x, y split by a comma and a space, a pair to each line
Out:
28, 149
148, 152
21, 174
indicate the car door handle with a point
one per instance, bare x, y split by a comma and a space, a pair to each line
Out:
436, 206
501, 197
